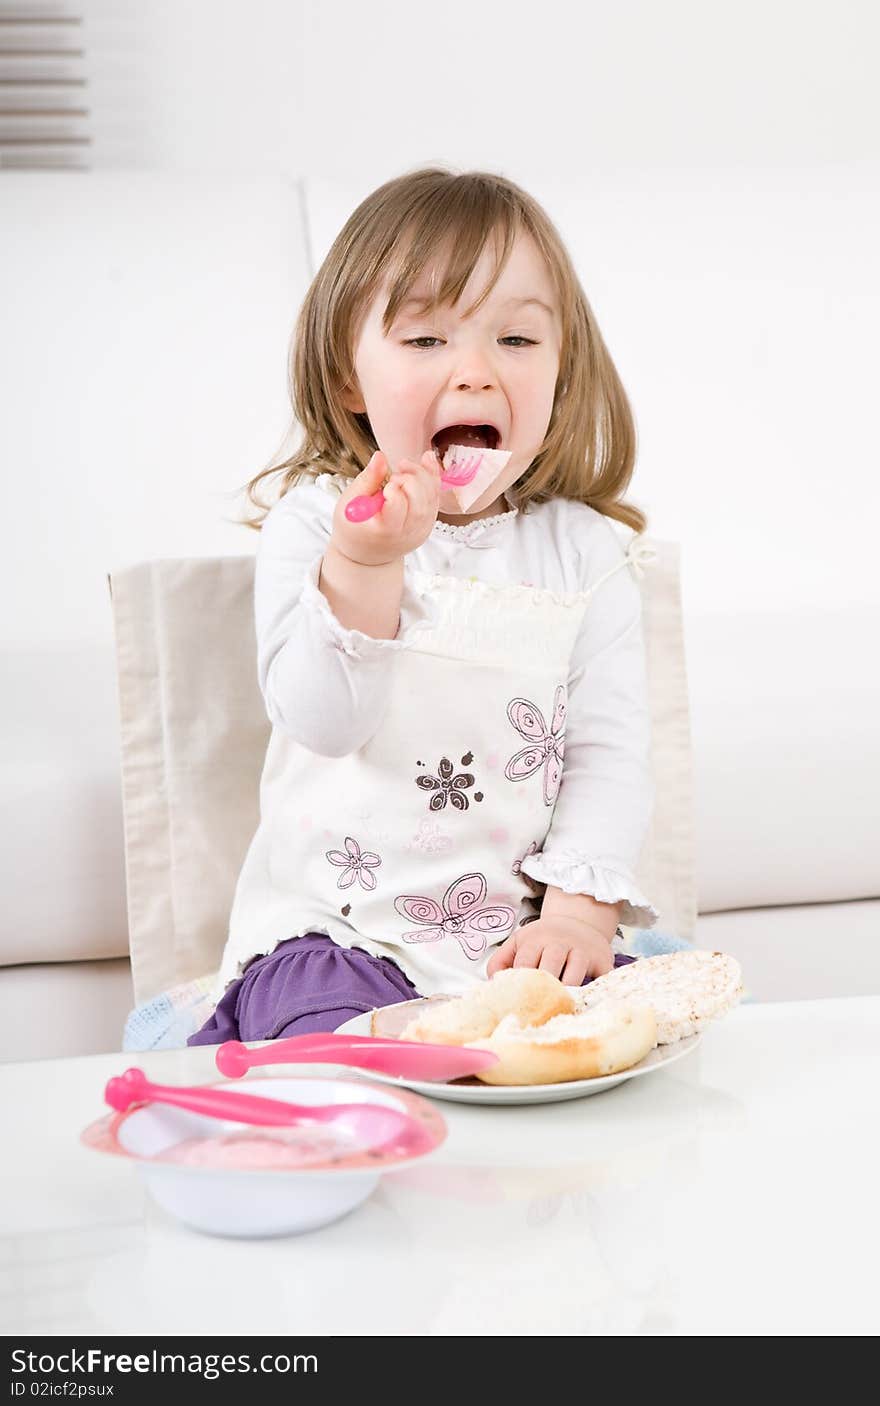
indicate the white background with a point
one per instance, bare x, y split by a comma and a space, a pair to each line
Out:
713, 168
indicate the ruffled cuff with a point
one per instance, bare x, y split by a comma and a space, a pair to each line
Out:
415, 614
603, 881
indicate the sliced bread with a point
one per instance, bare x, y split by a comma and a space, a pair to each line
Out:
685, 990
614, 1036
532, 996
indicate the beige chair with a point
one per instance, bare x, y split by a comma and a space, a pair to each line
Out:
194, 735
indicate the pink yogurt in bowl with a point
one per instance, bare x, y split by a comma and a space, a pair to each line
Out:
259, 1149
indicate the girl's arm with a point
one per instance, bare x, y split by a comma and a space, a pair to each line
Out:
605, 802
365, 598
324, 679
605, 799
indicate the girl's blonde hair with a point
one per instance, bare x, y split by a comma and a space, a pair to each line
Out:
589, 449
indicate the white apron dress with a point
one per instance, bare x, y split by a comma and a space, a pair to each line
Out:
410, 847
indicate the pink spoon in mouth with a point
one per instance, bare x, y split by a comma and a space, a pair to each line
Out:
368, 504
369, 1124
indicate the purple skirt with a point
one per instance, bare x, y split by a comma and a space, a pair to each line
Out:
308, 984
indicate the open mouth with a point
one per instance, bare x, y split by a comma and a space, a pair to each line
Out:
476, 436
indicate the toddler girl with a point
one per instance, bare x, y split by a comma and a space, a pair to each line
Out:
457, 778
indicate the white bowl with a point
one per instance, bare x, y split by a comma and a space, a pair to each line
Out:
261, 1200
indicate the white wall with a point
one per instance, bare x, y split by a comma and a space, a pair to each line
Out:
556, 89
743, 320
143, 371
715, 170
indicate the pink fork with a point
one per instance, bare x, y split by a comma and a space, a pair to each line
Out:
368, 504
369, 1122
465, 474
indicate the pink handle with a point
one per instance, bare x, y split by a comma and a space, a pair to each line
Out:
234, 1059
367, 505
134, 1087
407, 1058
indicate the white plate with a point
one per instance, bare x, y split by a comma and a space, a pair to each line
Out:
473, 1091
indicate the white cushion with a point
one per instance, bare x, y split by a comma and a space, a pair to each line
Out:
784, 712
63, 862
803, 952
59, 1009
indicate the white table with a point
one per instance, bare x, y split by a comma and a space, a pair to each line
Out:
734, 1194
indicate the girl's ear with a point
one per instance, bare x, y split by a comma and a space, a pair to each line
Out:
353, 400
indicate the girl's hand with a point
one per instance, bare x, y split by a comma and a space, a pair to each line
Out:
412, 500
565, 947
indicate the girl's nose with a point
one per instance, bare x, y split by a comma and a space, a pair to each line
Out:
473, 373
470, 383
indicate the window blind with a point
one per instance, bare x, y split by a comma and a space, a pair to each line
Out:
44, 114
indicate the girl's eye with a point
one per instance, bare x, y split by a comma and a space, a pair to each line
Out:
415, 342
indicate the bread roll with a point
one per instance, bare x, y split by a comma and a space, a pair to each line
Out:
547, 1033
614, 1036
685, 990
532, 996
389, 1022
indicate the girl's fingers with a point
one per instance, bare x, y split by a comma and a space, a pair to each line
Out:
604, 964
528, 953
427, 465
502, 957
553, 958
396, 505
422, 485
398, 489
575, 971
411, 480
408, 491
371, 478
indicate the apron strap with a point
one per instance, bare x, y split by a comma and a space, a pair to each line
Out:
638, 555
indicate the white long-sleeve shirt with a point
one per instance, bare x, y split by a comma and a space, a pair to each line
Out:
326, 686
418, 792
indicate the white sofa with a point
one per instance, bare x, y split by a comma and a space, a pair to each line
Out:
142, 350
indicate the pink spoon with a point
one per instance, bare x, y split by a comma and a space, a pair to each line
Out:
407, 1058
367, 1123
368, 504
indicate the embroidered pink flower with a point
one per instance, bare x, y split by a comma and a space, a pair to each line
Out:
355, 864
459, 916
547, 747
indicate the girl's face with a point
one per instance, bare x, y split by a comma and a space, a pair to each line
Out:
433, 370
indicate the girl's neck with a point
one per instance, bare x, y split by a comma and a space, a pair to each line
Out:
461, 519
